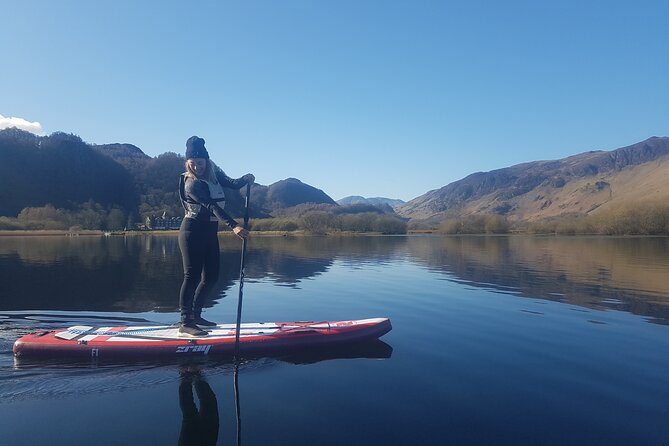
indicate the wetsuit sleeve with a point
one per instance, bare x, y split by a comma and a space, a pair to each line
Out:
199, 191
230, 183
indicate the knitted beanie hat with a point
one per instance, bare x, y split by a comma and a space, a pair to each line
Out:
195, 148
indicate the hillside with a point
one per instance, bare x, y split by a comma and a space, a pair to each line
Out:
67, 173
157, 175
288, 193
61, 170
128, 155
81, 181
578, 185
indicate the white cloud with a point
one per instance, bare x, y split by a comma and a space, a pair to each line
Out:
32, 127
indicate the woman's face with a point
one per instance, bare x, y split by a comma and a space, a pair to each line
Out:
198, 165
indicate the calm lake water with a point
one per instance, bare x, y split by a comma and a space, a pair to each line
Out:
495, 341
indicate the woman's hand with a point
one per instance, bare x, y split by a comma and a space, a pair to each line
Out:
249, 178
241, 232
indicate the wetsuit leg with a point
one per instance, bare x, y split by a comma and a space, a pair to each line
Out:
192, 242
210, 270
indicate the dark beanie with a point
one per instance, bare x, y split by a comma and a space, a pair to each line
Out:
195, 148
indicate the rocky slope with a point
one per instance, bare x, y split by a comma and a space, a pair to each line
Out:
576, 185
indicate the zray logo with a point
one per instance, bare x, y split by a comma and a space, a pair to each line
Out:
194, 349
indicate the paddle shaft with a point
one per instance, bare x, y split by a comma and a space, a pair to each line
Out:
238, 409
241, 270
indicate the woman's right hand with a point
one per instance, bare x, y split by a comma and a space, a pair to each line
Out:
241, 232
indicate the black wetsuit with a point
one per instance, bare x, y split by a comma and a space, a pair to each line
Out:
198, 240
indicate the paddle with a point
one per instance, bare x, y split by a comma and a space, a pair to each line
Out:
241, 271
235, 379
238, 409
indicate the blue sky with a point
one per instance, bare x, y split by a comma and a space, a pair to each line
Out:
372, 98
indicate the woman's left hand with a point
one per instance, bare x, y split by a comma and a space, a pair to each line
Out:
241, 232
249, 178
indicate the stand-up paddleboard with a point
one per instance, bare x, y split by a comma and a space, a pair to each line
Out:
84, 341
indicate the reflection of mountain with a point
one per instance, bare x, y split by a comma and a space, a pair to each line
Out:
616, 273
267, 259
130, 274
64, 273
287, 260
144, 273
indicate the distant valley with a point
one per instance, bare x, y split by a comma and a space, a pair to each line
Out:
374, 201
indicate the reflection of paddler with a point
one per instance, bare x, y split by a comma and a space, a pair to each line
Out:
199, 427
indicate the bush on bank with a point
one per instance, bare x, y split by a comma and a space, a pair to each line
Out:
475, 224
90, 215
323, 222
646, 218
637, 219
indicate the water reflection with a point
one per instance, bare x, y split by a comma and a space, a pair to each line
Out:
199, 406
144, 273
238, 404
199, 425
627, 274
89, 273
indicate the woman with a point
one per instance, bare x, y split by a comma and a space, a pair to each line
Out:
202, 196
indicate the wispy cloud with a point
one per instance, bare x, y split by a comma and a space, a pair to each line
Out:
32, 127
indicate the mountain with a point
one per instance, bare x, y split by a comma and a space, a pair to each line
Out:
374, 201
577, 185
155, 180
160, 175
66, 172
61, 170
288, 193
128, 155
168, 166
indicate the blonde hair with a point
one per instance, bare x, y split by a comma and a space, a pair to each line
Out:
209, 172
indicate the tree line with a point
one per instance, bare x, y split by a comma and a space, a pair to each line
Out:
322, 222
93, 216
89, 215
643, 218
332, 218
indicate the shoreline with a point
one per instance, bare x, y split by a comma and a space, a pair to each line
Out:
94, 233
299, 233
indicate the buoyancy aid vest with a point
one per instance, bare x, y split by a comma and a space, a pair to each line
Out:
193, 208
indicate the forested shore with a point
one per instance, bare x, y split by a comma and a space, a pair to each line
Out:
646, 218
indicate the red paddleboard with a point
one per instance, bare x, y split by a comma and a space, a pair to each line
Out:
83, 341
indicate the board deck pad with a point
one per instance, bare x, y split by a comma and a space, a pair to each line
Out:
159, 333
148, 341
